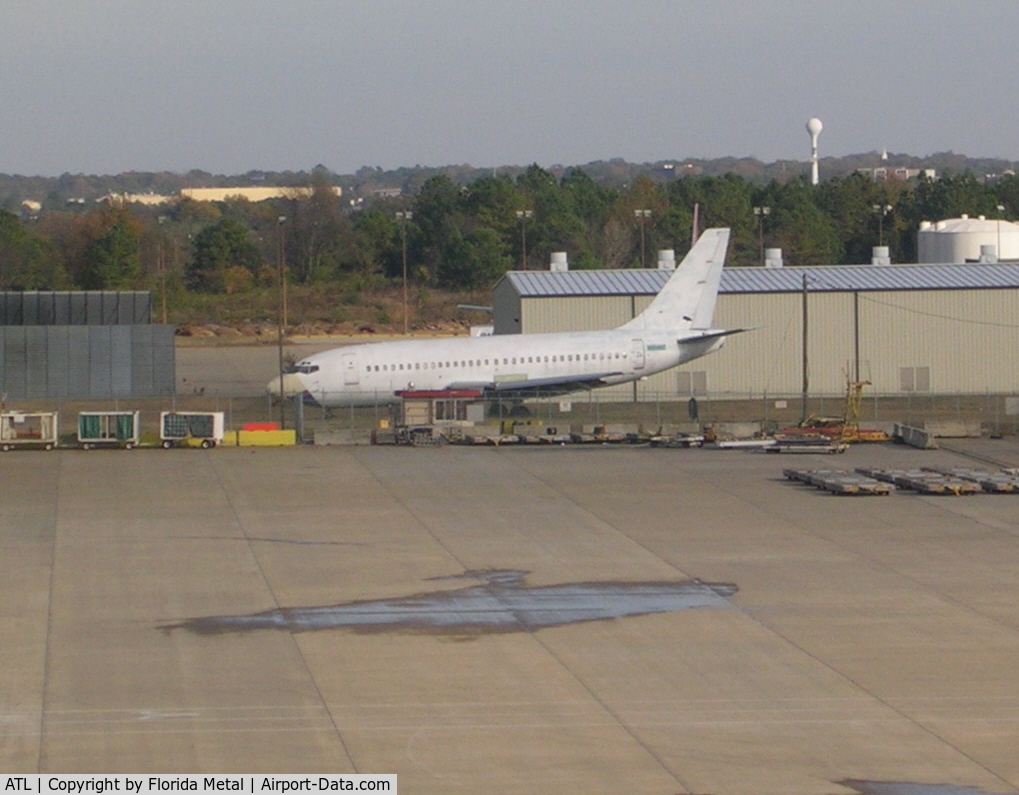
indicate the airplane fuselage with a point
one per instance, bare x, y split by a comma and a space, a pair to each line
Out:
377, 372
674, 328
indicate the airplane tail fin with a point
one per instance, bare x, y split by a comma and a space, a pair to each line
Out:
688, 298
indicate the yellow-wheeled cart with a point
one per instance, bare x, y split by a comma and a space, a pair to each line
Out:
191, 428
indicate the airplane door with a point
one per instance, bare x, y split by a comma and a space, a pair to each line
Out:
350, 371
637, 352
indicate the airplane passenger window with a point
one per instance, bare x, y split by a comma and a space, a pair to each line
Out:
417, 365
385, 367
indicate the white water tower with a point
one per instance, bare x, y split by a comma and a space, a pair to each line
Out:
814, 127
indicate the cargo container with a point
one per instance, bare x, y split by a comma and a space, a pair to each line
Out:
191, 428
28, 429
108, 429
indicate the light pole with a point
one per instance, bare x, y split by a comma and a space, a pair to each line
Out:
162, 268
642, 216
998, 258
806, 367
523, 215
881, 210
761, 213
403, 217
281, 318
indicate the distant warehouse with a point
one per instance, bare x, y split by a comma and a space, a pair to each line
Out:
939, 329
83, 345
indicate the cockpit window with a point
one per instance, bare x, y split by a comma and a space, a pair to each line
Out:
304, 367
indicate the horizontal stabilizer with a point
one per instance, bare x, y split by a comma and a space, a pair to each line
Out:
711, 334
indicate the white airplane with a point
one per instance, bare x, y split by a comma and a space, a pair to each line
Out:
675, 328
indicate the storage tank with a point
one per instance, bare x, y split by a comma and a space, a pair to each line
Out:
961, 239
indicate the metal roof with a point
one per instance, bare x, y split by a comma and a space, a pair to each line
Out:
825, 278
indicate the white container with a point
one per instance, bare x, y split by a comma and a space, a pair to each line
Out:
191, 428
28, 429
108, 429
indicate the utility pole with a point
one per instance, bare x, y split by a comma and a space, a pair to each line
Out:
881, 210
281, 318
523, 215
162, 268
403, 217
806, 372
642, 216
761, 213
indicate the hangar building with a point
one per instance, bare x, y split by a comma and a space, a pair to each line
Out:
83, 345
939, 329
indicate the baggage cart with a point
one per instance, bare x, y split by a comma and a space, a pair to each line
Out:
108, 429
191, 428
28, 429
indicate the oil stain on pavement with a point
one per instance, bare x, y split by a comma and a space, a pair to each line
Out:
501, 602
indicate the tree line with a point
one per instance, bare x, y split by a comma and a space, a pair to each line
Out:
463, 237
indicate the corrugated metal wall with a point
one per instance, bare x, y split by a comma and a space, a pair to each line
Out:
79, 308
589, 313
86, 362
968, 338
506, 309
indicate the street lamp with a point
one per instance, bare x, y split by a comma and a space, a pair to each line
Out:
403, 216
281, 317
642, 216
881, 210
523, 215
761, 213
999, 258
162, 268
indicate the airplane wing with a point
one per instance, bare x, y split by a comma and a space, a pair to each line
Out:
563, 383
554, 385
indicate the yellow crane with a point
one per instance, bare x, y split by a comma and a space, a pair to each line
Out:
851, 431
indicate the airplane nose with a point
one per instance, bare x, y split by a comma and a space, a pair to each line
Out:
291, 385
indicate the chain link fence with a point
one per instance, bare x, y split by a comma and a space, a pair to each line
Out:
988, 414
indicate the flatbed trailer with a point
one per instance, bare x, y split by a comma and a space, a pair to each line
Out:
806, 444
840, 481
923, 481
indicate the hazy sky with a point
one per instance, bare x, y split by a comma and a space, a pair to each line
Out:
104, 86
